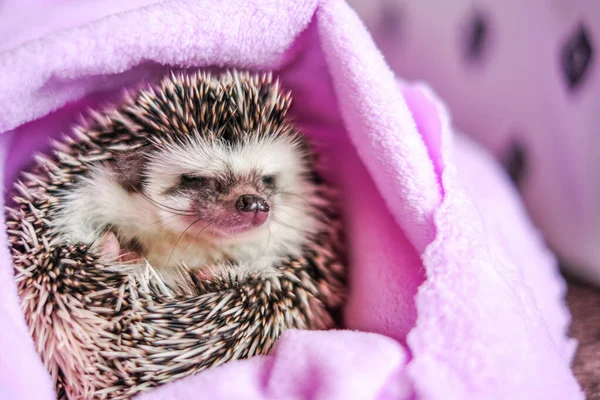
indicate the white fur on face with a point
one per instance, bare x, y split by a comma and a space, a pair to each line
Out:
280, 157
99, 203
277, 156
152, 219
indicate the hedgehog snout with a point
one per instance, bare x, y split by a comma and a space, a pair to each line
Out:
251, 203
253, 207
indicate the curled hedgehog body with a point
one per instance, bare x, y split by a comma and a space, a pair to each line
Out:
107, 333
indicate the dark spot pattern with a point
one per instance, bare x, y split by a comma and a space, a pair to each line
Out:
477, 36
577, 56
390, 18
515, 162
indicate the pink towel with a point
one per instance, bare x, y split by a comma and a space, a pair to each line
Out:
461, 297
523, 79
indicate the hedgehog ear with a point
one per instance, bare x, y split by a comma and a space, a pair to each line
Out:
129, 167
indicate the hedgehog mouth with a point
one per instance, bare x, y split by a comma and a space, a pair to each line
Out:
229, 233
229, 226
224, 231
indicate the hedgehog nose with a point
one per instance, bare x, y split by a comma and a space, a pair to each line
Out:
251, 203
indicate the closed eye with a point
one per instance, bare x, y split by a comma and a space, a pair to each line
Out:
187, 180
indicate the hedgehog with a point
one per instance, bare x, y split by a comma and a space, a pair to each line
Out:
185, 226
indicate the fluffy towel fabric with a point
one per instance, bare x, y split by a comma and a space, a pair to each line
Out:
444, 261
522, 78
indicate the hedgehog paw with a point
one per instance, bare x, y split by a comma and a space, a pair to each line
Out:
110, 249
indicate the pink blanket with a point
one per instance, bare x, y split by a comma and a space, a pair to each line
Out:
461, 297
523, 79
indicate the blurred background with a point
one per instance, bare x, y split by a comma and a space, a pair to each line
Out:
523, 79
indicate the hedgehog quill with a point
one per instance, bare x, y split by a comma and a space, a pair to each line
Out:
226, 198
184, 227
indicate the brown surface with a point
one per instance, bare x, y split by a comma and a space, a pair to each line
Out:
584, 302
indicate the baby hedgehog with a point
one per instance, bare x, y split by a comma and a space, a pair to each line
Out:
223, 185
184, 227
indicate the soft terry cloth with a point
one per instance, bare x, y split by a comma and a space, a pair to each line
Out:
443, 259
523, 79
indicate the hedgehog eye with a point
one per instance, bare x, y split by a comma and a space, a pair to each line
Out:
268, 181
187, 180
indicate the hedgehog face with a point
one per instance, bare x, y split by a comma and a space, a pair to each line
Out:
214, 189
